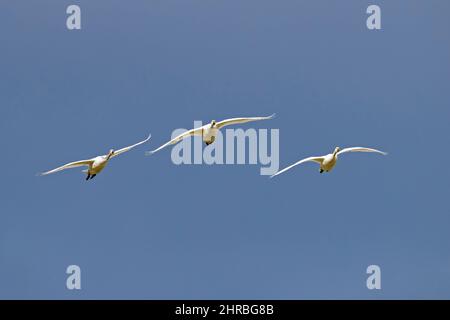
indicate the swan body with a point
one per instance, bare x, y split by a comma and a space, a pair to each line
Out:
328, 161
96, 164
209, 131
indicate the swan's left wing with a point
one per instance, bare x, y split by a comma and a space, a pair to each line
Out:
314, 159
228, 122
361, 149
120, 151
192, 132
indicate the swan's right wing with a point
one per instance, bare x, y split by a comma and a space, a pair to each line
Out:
69, 166
192, 132
314, 159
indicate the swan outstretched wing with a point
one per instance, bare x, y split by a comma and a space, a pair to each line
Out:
361, 149
314, 159
120, 151
69, 166
228, 122
192, 132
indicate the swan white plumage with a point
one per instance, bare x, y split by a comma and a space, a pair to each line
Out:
97, 164
328, 161
209, 131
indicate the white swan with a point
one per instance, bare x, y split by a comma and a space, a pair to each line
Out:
329, 161
209, 131
97, 164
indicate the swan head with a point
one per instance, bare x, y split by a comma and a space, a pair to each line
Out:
110, 154
336, 150
213, 123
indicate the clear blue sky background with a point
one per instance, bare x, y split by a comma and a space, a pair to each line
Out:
147, 229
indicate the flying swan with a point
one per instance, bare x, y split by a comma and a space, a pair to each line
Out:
328, 161
209, 131
97, 164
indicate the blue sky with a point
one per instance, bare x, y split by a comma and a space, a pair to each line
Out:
148, 229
